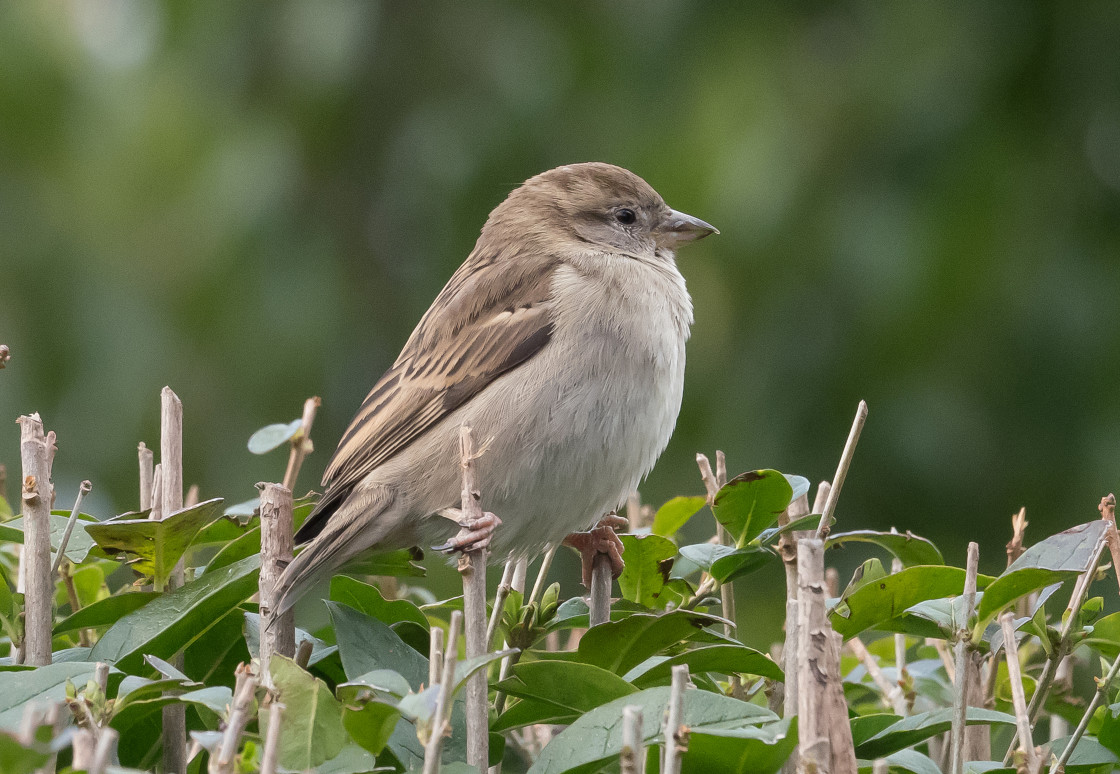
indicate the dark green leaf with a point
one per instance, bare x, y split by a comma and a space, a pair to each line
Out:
724, 659
619, 646
105, 612
76, 548
366, 644
748, 750
648, 561
168, 624
917, 728
890, 595
740, 562
675, 514
909, 548
369, 600
1088, 755
400, 563
905, 762
17, 758
44, 684
1057, 558
571, 685
596, 736
155, 545
371, 723
751, 502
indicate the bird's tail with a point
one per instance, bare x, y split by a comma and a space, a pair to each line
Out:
349, 531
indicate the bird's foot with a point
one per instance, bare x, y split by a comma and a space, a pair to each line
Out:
475, 533
602, 539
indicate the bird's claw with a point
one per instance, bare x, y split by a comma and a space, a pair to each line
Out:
474, 535
602, 539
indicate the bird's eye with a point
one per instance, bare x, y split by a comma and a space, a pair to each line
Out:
625, 216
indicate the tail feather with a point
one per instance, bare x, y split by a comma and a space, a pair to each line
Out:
342, 534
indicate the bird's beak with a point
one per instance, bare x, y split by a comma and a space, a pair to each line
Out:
677, 228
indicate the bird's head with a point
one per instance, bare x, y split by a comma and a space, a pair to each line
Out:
596, 204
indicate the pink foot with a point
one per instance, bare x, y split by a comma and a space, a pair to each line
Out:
600, 540
477, 535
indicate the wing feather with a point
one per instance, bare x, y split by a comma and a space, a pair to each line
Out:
488, 320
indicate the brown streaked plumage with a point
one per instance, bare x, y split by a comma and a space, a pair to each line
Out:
527, 344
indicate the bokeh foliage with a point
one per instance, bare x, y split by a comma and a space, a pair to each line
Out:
254, 202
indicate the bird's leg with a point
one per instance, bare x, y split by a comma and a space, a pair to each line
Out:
600, 539
476, 532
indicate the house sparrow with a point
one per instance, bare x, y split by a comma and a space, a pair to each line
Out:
560, 341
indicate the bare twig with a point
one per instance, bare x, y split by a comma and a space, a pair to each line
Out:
842, 470
676, 734
171, 500
708, 476
880, 766
433, 746
5, 355
84, 743
824, 489
85, 488
272, 739
278, 633
1063, 677
1015, 547
1018, 697
239, 716
106, 743
633, 758
600, 598
946, 658
787, 548
892, 692
542, 575
472, 566
435, 656
500, 596
37, 494
1108, 513
1101, 694
146, 458
900, 707
960, 695
301, 442
157, 493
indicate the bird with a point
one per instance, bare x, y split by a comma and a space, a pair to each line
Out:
560, 341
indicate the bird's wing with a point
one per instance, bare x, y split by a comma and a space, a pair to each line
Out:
488, 320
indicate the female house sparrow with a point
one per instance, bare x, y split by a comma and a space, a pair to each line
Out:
560, 341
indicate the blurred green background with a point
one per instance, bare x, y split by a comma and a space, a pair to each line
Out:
255, 202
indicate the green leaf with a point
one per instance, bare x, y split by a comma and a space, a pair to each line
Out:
271, 436
648, 561
740, 562
400, 563
619, 646
156, 545
311, 730
76, 548
703, 555
319, 649
105, 612
368, 599
748, 750
769, 537
170, 623
17, 758
906, 762
43, 684
596, 737
751, 502
366, 644
568, 688
371, 723
674, 514
879, 601
354, 760
909, 548
1104, 636
138, 699
1088, 755
724, 659
217, 698
1057, 558
917, 728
